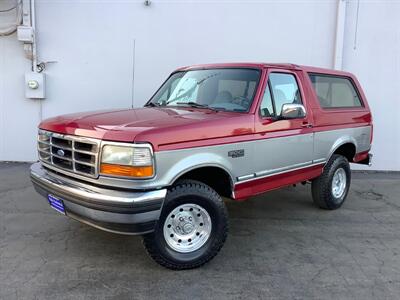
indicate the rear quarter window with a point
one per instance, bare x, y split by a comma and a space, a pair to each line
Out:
335, 91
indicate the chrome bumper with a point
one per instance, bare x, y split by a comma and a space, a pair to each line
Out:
119, 211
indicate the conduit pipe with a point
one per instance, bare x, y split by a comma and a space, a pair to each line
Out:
339, 34
33, 24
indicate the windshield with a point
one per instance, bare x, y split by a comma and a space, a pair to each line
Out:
218, 89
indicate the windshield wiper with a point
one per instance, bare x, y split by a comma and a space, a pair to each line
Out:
152, 104
217, 108
195, 104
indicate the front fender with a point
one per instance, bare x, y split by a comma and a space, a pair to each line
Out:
197, 161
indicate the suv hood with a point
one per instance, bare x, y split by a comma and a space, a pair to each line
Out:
159, 126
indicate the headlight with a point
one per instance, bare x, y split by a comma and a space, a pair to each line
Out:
128, 161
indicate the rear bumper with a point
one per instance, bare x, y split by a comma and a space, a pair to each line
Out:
370, 155
363, 158
367, 160
118, 211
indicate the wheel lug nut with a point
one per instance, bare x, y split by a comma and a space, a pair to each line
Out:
181, 219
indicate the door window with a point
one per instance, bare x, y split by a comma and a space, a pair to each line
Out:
267, 107
282, 89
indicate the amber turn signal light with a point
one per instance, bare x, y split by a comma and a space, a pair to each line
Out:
128, 171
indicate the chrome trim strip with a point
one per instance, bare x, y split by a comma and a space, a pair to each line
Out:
89, 193
284, 170
244, 177
279, 170
319, 160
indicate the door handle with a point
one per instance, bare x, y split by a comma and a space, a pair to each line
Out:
306, 125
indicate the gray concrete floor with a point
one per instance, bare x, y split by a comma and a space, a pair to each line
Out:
279, 246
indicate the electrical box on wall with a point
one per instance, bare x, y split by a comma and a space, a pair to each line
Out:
25, 34
35, 85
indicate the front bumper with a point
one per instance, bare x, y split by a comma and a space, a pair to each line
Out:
119, 211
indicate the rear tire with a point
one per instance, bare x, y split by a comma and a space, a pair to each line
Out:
192, 227
330, 189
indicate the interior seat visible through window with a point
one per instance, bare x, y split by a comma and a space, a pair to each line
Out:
223, 96
284, 90
335, 91
280, 99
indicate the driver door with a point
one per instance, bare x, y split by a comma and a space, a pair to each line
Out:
284, 145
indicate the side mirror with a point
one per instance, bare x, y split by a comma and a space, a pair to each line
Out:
293, 111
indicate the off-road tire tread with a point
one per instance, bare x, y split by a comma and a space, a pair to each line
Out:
184, 187
320, 187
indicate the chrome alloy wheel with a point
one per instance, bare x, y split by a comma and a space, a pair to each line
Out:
187, 228
339, 182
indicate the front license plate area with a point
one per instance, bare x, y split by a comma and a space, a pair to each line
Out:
56, 204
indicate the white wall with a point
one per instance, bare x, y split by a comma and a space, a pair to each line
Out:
92, 42
372, 52
18, 115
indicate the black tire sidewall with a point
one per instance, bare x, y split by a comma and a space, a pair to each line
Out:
339, 162
208, 200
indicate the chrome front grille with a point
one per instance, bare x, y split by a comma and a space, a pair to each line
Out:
70, 153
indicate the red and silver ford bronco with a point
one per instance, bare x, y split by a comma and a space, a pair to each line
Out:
209, 132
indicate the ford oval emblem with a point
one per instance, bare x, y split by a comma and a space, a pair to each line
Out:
60, 152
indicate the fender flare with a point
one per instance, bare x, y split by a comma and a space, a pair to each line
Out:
197, 161
340, 142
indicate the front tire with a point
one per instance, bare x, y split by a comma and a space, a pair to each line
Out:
192, 227
330, 189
